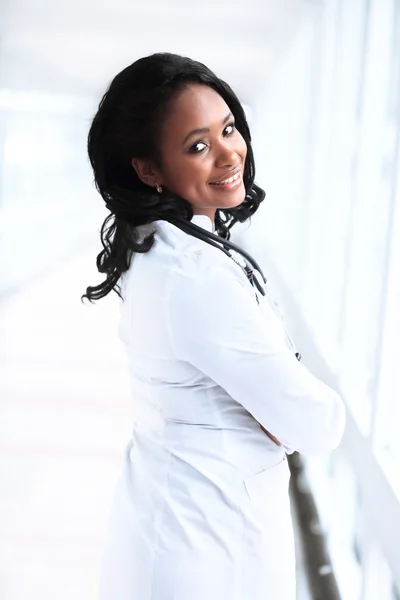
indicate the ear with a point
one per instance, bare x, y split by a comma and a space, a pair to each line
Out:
146, 171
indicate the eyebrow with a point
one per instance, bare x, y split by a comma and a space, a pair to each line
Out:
205, 129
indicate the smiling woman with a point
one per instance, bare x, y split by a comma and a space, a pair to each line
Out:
206, 165
167, 136
202, 507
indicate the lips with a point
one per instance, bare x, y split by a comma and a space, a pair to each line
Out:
227, 181
229, 177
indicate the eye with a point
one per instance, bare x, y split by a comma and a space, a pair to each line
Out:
229, 129
197, 148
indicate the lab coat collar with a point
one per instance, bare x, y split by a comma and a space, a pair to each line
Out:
203, 221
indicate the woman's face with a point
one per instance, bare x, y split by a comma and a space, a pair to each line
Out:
202, 153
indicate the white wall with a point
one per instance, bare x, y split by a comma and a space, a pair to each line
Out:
326, 136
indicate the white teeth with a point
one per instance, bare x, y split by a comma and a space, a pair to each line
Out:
233, 178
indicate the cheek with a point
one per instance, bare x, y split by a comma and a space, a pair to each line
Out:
193, 173
242, 148
186, 177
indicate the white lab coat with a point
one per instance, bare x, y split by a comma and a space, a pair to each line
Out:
202, 509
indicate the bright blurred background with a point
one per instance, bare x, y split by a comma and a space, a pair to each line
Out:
320, 80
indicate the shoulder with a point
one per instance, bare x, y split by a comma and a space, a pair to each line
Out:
198, 262
189, 257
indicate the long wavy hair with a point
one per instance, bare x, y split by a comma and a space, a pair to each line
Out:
125, 126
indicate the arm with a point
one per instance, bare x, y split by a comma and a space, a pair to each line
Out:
214, 324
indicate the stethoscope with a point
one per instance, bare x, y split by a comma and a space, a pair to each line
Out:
242, 258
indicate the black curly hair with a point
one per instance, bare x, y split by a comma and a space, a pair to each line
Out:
125, 126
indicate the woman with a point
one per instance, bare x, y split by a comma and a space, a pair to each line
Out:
202, 508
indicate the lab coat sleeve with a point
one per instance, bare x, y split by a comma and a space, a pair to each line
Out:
214, 323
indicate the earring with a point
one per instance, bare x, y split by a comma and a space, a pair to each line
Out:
158, 187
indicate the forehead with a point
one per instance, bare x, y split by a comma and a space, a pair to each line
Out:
194, 107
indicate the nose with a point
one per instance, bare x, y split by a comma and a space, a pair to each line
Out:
225, 154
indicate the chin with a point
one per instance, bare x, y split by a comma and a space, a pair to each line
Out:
226, 200
236, 200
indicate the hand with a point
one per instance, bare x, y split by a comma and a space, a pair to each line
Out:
271, 437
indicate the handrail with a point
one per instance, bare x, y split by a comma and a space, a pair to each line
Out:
319, 571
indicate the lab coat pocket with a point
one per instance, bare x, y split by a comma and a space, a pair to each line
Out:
269, 483
268, 534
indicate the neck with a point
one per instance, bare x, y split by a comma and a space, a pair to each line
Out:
210, 213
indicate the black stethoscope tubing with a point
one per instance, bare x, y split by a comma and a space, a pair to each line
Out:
221, 244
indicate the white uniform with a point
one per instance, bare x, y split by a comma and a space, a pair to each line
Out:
202, 509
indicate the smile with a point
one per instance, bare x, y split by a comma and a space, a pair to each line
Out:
227, 181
